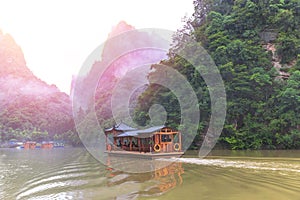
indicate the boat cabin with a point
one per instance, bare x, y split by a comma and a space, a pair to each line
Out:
158, 139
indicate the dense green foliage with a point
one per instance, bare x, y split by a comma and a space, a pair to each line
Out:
255, 45
44, 118
50, 114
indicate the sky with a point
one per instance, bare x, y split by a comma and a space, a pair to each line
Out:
56, 36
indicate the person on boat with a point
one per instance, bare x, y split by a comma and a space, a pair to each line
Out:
134, 144
119, 143
124, 145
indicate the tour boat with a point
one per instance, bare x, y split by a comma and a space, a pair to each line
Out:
47, 145
157, 141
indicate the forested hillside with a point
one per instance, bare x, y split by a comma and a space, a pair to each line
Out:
256, 46
30, 109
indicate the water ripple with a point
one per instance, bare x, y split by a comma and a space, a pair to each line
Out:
66, 177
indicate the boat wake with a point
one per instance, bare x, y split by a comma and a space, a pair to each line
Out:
259, 164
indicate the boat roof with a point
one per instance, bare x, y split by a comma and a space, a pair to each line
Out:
121, 127
142, 133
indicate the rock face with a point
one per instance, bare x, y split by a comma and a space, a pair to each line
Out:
276, 61
96, 92
12, 60
121, 27
27, 102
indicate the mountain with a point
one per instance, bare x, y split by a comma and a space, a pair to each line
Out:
119, 70
121, 27
26, 102
12, 59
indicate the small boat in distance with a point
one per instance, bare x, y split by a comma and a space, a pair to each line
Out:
59, 144
13, 143
47, 145
157, 141
37, 145
29, 145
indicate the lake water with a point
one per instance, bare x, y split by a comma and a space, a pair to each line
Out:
72, 173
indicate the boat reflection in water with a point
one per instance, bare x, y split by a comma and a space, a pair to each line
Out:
169, 176
164, 176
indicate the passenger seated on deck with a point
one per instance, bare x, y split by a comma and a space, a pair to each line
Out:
119, 143
125, 145
133, 144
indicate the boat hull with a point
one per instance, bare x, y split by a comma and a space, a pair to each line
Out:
144, 155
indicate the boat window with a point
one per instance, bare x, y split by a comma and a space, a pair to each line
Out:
166, 138
125, 142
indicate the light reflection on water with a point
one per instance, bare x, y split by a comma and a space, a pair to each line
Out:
74, 174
